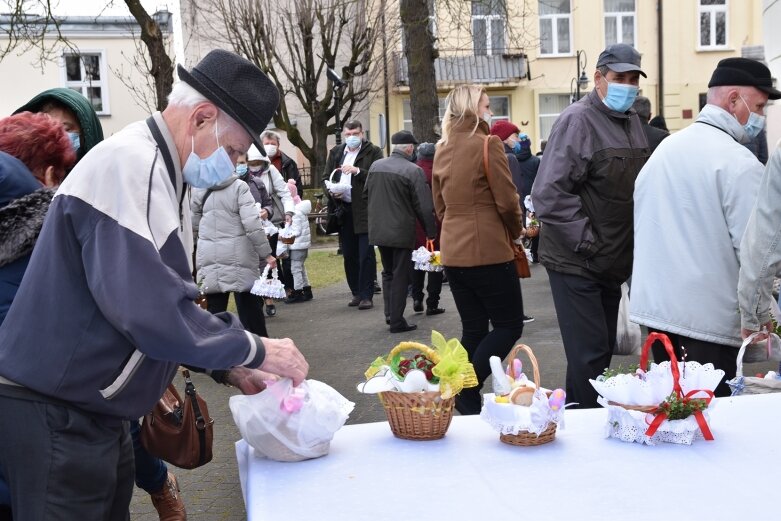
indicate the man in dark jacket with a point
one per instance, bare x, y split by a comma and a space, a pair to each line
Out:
529, 164
286, 166
397, 196
353, 159
642, 106
583, 197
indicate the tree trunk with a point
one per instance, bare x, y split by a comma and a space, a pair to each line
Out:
162, 69
420, 53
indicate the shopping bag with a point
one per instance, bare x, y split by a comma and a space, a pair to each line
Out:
628, 335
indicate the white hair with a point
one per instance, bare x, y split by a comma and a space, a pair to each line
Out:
270, 134
183, 95
402, 148
720, 95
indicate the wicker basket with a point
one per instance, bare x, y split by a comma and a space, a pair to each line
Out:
287, 240
526, 438
533, 230
421, 415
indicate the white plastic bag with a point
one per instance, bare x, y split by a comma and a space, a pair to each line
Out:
287, 423
628, 336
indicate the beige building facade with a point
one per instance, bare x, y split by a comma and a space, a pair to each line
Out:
96, 62
562, 39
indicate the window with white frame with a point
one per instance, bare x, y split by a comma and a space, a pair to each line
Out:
620, 22
551, 105
488, 20
713, 24
555, 27
85, 72
432, 23
500, 107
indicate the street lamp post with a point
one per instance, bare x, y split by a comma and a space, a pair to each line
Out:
338, 86
579, 83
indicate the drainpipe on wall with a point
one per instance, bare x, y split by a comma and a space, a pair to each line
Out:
660, 51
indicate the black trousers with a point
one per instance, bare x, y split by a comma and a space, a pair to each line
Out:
433, 288
395, 280
721, 356
249, 307
483, 295
588, 316
360, 263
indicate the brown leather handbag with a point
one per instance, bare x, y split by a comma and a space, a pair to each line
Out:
521, 262
179, 432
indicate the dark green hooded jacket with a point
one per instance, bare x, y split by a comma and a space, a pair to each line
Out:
91, 130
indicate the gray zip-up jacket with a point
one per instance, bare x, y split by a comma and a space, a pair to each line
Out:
583, 190
760, 249
230, 237
396, 194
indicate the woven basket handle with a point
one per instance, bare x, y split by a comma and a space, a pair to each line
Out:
417, 346
653, 337
536, 369
331, 177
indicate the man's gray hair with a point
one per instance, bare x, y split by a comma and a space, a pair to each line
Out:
401, 148
270, 134
183, 95
603, 70
642, 106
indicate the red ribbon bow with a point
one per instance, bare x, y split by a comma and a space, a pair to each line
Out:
703, 424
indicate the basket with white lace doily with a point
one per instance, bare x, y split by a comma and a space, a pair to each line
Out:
521, 411
426, 258
337, 188
269, 287
668, 402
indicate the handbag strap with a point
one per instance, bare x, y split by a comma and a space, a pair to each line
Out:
200, 421
488, 178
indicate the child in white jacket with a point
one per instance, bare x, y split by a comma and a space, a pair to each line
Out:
299, 250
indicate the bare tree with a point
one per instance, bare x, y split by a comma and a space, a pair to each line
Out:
420, 52
30, 25
157, 63
294, 42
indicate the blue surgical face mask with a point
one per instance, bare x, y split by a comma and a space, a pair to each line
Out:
241, 169
755, 122
620, 96
517, 147
209, 172
352, 142
75, 140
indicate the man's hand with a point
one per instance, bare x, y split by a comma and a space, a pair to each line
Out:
264, 214
271, 261
768, 327
284, 359
249, 381
350, 169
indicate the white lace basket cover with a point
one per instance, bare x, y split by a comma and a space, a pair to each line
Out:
508, 418
337, 188
269, 287
422, 258
651, 390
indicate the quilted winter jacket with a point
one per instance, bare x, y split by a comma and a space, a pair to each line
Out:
230, 237
301, 226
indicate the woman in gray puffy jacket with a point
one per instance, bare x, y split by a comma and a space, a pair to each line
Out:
230, 238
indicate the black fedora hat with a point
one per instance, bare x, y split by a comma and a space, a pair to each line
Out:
237, 87
744, 72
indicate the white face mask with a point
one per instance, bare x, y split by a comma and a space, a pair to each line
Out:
487, 117
271, 150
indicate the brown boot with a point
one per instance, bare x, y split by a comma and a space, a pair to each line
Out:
168, 502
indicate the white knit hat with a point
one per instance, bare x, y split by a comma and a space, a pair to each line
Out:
254, 155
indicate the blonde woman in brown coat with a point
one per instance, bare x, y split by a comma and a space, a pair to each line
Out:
476, 212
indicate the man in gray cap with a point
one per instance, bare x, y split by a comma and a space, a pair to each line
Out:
692, 202
106, 312
583, 197
397, 195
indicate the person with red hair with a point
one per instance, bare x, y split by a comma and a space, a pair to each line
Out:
40, 142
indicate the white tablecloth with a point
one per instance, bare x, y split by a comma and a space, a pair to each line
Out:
470, 475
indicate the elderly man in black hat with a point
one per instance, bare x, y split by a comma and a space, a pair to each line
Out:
692, 202
583, 196
397, 195
115, 258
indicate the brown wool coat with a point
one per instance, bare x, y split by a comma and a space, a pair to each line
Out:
474, 215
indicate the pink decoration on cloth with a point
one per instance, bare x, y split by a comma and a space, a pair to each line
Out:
291, 184
293, 402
